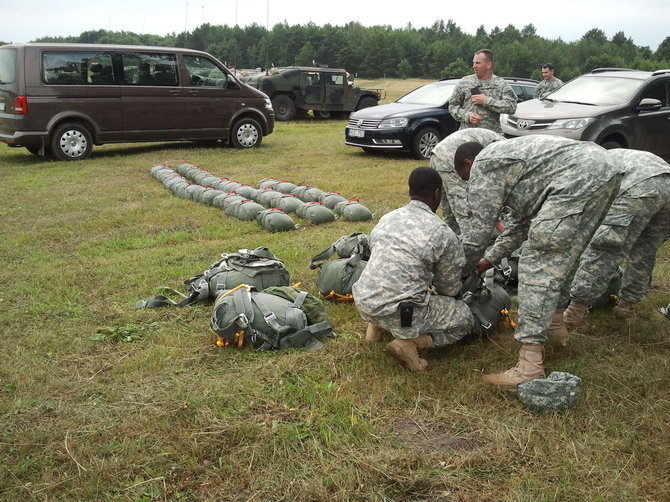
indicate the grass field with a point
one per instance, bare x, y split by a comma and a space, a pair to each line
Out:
101, 402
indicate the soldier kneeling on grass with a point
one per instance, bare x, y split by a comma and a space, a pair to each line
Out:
409, 285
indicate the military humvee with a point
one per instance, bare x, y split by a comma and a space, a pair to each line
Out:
296, 89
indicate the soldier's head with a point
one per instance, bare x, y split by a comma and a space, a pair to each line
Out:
482, 64
547, 71
464, 158
425, 185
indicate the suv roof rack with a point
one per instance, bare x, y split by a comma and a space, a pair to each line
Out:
520, 79
660, 72
598, 70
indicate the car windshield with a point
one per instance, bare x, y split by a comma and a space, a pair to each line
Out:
435, 94
597, 90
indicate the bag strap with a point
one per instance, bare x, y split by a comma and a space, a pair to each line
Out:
165, 301
322, 256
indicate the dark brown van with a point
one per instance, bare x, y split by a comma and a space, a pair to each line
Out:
61, 99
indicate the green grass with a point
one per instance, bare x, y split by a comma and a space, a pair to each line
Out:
100, 402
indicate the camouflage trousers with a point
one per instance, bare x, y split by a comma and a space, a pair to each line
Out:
445, 318
556, 239
637, 224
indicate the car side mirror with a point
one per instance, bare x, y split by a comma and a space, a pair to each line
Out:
231, 84
649, 105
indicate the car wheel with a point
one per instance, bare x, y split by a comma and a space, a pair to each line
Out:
424, 142
284, 108
610, 145
71, 141
247, 133
366, 102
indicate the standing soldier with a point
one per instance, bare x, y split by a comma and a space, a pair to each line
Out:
549, 84
557, 205
454, 189
410, 282
637, 224
479, 99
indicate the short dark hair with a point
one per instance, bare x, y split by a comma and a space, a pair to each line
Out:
423, 181
548, 66
468, 150
487, 53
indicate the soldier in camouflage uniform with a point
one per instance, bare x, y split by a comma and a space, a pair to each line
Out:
454, 189
479, 99
559, 190
637, 224
415, 265
549, 83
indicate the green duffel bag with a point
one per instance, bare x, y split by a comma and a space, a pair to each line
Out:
223, 201
203, 178
157, 169
336, 277
265, 196
275, 220
210, 181
244, 209
285, 186
228, 185
331, 199
488, 300
246, 191
267, 183
288, 202
345, 247
352, 210
307, 193
193, 192
186, 169
208, 196
243, 317
172, 181
316, 213
180, 190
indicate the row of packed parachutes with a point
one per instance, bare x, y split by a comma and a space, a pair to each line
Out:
269, 204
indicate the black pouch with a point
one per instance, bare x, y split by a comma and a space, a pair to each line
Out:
406, 313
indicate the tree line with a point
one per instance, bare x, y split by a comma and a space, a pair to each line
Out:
440, 51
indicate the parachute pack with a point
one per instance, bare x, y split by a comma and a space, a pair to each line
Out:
276, 318
257, 268
489, 302
336, 278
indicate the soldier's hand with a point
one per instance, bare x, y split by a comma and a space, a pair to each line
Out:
482, 266
474, 118
478, 99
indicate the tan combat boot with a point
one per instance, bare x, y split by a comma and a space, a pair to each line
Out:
404, 351
624, 310
557, 329
576, 316
424, 342
528, 368
373, 334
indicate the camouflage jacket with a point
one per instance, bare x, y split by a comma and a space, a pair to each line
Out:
500, 98
537, 177
638, 166
455, 190
412, 250
544, 87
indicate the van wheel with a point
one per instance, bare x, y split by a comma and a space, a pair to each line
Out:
284, 107
71, 141
424, 142
247, 133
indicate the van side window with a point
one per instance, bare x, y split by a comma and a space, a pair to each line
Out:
150, 69
77, 68
203, 72
7, 66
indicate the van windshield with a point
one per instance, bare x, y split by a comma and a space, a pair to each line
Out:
7, 66
597, 90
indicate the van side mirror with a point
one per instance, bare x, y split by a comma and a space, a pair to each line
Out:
231, 84
649, 105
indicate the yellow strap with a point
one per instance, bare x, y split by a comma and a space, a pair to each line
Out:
336, 297
229, 292
505, 317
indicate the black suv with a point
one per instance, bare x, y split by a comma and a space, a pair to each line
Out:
613, 107
417, 121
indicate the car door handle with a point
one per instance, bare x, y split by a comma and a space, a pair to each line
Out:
193, 92
174, 91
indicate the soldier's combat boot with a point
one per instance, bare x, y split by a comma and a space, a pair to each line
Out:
576, 316
424, 342
529, 367
373, 333
404, 351
624, 310
557, 329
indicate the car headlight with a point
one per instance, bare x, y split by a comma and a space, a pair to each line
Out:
268, 104
393, 123
571, 123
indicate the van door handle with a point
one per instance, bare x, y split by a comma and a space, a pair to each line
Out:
174, 91
193, 92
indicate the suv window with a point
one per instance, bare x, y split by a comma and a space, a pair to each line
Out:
598, 90
204, 73
150, 69
658, 90
7, 66
77, 68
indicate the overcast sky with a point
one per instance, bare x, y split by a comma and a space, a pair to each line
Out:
645, 21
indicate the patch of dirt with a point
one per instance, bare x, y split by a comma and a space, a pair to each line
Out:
427, 437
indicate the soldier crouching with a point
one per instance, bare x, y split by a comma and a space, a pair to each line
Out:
409, 285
